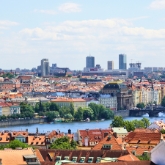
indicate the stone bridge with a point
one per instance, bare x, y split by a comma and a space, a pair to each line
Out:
139, 113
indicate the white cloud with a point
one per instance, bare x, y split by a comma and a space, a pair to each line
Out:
157, 4
5, 24
69, 7
51, 12
73, 40
92, 29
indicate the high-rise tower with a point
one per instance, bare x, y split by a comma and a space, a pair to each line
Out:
110, 65
122, 61
45, 69
90, 62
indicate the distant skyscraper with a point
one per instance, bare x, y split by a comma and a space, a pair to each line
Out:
90, 62
45, 69
110, 65
122, 61
54, 66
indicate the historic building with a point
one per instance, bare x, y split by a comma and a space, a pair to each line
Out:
122, 92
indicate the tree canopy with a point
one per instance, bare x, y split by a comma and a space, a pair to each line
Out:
140, 105
14, 144
130, 125
64, 143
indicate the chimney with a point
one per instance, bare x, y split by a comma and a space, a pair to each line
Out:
108, 138
115, 134
69, 131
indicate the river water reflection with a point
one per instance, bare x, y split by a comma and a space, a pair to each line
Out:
63, 127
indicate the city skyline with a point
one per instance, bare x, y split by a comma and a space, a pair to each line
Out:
71, 30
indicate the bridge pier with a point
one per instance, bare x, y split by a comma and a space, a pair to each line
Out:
140, 113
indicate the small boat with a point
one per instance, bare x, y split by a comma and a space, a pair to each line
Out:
87, 119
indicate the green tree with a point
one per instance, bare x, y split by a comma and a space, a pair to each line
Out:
117, 122
140, 105
163, 102
144, 157
162, 131
54, 107
51, 115
96, 110
15, 144
107, 114
71, 109
79, 114
63, 143
63, 111
25, 107
8, 75
68, 116
37, 108
88, 113
43, 107
146, 122
129, 125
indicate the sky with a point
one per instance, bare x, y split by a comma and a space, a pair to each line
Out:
66, 32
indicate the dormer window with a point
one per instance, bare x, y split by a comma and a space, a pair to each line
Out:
98, 160
82, 160
58, 158
107, 146
66, 157
90, 159
74, 159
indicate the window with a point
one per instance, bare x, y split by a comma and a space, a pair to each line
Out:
90, 159
107, 146
98, 160
74, 159
66, 157
82, 160
58, 158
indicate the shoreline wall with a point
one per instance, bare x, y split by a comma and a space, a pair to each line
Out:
21, 122
123, 113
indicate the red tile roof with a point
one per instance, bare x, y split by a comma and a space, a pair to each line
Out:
109, 139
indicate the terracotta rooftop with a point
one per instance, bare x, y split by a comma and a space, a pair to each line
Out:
143, 138
51, 155
14, 157
94, 135
108, 140
5, 137
139, 150
36, 140
19, 133
129, 157
64, 99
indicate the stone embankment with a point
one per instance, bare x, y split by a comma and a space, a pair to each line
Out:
123, 113
21, 122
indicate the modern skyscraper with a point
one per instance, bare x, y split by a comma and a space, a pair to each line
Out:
90, 62
110, 65
122, 61
45, 69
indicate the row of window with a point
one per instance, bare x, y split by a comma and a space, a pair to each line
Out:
82, 159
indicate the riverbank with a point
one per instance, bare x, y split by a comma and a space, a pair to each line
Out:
122, 113
9, 123
74, 126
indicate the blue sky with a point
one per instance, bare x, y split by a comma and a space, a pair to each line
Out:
66, 32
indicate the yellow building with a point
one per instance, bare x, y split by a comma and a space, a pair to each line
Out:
137, 95
65, 102
5, 108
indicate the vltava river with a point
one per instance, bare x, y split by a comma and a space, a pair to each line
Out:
74, 126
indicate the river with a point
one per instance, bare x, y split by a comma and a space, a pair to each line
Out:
74, 126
